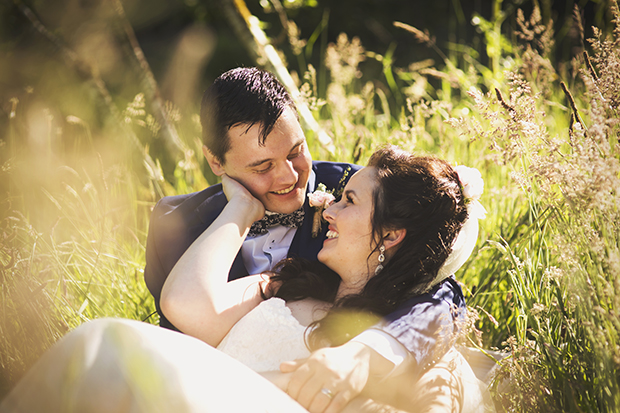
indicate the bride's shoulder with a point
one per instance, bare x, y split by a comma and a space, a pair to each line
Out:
308, 310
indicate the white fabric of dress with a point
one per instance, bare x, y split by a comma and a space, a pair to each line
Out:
126, 366
265, 337
270, 334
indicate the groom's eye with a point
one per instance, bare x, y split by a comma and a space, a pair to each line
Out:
295, 153
265, 169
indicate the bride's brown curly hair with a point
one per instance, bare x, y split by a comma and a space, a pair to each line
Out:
419, 194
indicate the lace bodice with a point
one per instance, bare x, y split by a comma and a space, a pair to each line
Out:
265, 337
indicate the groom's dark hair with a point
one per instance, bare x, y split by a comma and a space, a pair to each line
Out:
243, 96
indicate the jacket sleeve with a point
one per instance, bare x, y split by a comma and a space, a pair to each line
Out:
427, 325
175, 223
155, 273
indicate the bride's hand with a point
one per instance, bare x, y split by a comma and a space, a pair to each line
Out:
236, 193
330, 378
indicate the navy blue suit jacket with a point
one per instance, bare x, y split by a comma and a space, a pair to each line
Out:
177, 221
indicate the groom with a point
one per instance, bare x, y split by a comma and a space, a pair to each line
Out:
252, 133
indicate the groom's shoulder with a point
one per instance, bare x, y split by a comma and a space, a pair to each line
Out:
331, 167
332, 173
185, 203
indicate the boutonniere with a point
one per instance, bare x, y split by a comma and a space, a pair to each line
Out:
319, 199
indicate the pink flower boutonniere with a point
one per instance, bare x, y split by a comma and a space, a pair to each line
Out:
319, 199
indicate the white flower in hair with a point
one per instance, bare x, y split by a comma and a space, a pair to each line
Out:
471, 181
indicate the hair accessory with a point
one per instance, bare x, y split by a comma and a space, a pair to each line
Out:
471, 182
381, 259
472, 186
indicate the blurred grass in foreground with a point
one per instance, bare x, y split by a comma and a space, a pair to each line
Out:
78, 178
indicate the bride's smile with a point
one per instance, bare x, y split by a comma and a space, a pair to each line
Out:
347, 248
331, 234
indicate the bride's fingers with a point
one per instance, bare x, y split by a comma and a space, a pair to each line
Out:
321, 401
291, 366
234, 189
339, 402
299, 378
327, 401
311, 392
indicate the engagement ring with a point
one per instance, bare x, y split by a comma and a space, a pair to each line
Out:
327, 392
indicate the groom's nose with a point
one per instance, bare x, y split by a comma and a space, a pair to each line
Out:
285, 172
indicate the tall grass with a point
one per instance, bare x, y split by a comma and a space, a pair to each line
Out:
543, 281
73, 250
564, 275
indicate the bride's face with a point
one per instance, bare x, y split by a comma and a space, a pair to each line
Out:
348, 244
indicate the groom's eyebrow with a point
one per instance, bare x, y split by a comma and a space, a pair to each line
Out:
258, 163
262, 161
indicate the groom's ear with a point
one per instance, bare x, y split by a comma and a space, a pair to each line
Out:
393, 238
214, 163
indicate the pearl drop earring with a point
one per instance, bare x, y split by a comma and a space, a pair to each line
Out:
381, 259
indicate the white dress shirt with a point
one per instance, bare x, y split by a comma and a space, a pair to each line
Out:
262, 252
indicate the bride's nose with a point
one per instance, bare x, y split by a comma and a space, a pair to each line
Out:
330, 212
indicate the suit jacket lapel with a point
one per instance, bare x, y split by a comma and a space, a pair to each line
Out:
303, 244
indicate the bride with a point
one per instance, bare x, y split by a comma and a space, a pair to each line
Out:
404, 223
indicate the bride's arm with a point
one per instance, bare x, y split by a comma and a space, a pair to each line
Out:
197, 297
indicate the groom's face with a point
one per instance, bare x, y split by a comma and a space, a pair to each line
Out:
276, 173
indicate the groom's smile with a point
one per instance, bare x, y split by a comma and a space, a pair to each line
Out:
286, 191
277, 172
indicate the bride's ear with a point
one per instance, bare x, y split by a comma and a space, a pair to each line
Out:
393, 238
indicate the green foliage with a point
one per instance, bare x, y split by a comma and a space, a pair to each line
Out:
563, 273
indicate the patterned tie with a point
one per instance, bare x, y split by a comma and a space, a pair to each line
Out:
271, 219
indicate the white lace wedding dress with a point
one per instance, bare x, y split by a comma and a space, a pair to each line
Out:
270, 334
265, 337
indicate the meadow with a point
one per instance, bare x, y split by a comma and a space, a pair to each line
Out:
82, 165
